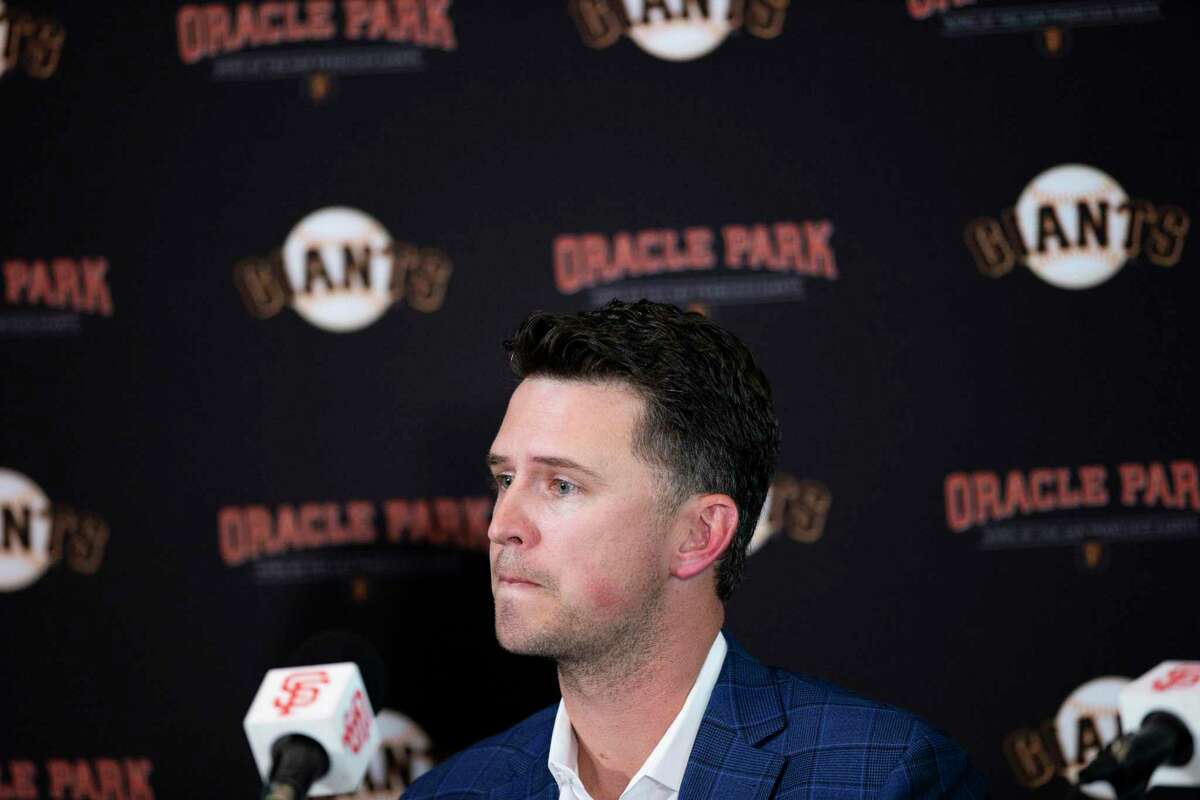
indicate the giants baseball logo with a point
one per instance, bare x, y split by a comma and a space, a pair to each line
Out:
341, 270
357, 723
1085, 723
794, 507
1184, 676
36, 534
675, 30
34, 44
300, 689
1075, 227
25, 523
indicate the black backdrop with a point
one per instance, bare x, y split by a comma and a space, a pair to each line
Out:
904, 366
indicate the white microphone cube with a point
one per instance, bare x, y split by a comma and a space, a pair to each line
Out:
1173, 687
325, 702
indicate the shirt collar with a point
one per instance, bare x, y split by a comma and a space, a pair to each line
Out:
669, 759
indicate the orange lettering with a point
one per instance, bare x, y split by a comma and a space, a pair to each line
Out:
407, 25
1040, 479
245, 28
62, 777
258, 520
449, 522
439, 30
595, 257
286, 529
137, 776
1016, 494
16, 279
96, 296
85, 786
987, 497
379, 20
820, 253
569, 275
216, 19
1092, 478
320, 19
190, 33
921, 9
478, 512
644, 242
24, 781
40, 288
231, 529
421, 526
294, 30
624, 258
675, 257
311, 516
1187, 490
269, 17
111, 784
1067, 497
66, 282
1158, 491
959, 510
1133, 480
357, 15
791, 246
737, 244
360, 515
699, 247
761, 252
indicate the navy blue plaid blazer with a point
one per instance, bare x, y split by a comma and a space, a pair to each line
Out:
766, 733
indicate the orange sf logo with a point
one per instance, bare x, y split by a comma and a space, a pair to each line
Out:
301, 689
1184, 676
357, 722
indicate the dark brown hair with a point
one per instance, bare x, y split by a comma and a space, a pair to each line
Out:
709, 419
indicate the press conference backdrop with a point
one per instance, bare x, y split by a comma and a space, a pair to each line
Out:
257, 260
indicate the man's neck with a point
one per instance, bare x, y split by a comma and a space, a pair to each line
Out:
619, 712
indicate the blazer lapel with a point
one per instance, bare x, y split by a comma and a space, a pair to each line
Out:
743, 711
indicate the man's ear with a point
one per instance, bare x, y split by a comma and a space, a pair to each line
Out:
707, 526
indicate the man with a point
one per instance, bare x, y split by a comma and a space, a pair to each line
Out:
630, 470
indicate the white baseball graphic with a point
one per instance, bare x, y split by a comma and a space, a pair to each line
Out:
1096, 699
1063, 188
330, 231
3, 38
22, 501
679, 38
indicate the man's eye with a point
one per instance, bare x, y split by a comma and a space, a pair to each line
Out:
563, 488
502, 482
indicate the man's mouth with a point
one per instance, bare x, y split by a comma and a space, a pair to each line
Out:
514, 580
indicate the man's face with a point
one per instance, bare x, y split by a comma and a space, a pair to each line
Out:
579, 548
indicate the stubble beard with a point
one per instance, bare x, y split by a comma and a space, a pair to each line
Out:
586, 649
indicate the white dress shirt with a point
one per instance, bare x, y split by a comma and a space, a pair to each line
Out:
662, 774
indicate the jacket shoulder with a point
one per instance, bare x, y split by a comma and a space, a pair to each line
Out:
843, 742
473, 772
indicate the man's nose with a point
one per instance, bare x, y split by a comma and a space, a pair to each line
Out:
511, 523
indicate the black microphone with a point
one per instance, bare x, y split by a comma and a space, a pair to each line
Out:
311, 726
1129, 761
297, 762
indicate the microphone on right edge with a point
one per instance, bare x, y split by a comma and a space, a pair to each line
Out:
1161, 712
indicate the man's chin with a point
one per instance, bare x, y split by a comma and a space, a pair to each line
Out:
522, 641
